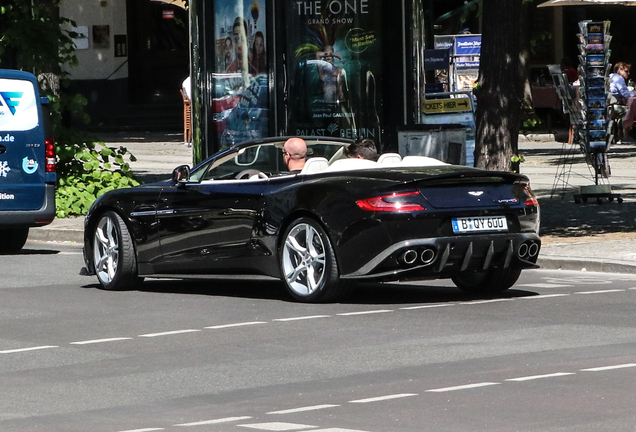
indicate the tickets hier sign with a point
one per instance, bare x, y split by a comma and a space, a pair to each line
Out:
437, 106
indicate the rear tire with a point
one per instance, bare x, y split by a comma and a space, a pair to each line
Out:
13, 240
308, 263
489, 281
114, 256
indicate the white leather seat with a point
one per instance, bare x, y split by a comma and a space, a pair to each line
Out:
389, 159
421, 161
337, 155
315, 165
350, 164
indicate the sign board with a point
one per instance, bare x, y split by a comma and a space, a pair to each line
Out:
444, 41
467, 65
435, 59
468, 45
438, 106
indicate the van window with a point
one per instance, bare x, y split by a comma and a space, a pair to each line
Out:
18, 108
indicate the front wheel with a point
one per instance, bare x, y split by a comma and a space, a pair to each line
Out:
488, 281
308, 263
114, 254
13, 240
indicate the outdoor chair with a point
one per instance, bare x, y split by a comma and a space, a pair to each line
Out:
187, 118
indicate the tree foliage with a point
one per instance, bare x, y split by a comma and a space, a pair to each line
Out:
36, 39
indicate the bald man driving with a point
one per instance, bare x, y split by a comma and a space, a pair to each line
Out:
295, 154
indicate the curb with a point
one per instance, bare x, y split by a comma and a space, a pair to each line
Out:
586, 264
59, 235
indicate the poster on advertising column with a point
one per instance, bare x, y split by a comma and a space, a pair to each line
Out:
336, 71
240, 102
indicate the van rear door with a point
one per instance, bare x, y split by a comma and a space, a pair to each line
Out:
22, 148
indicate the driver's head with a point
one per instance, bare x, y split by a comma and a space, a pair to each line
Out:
295, 153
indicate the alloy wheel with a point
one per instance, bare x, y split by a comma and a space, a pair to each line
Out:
106, 250
304, 260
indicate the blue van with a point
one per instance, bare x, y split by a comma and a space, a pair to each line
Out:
27, 160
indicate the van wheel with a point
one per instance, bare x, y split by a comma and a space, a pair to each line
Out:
13, 240
114, 254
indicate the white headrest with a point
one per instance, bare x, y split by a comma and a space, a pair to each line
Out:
315, 165
352, 164
389, 159
421, 161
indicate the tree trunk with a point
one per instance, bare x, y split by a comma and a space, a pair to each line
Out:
499, 90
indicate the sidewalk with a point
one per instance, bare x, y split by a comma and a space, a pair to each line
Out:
590, 236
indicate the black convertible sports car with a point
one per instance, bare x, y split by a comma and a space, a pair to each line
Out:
338, 221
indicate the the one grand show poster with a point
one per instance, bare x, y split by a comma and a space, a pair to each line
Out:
336, 68
241, 78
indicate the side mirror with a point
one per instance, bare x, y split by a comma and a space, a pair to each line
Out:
181, 175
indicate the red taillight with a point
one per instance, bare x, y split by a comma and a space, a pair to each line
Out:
49, 154
531, 200
391, 203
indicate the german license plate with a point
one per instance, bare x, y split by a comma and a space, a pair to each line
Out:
479, 224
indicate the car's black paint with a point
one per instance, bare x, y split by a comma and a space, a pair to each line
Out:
235, 226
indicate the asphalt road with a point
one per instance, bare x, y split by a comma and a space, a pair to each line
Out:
555, 353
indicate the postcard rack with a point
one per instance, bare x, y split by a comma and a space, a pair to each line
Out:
591, 126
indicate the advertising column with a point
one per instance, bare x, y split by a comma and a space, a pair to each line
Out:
240, 102
335, 71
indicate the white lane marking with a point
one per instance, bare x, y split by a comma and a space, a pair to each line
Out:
301, 318
142, 430
383, 398
543, 296
215, 421
485, 301
278, 426
606, 368
94, 341
633, 288
542, 285
168, 333
17, 350
463, 387
580, 280
427, 306
533, 377
302, 409
223, 326
600, 291
366, 312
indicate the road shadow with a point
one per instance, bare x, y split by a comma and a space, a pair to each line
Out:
418, 293
374, 293
562, 217
27, 251
214, 287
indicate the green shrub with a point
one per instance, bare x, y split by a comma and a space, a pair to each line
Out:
86, 169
